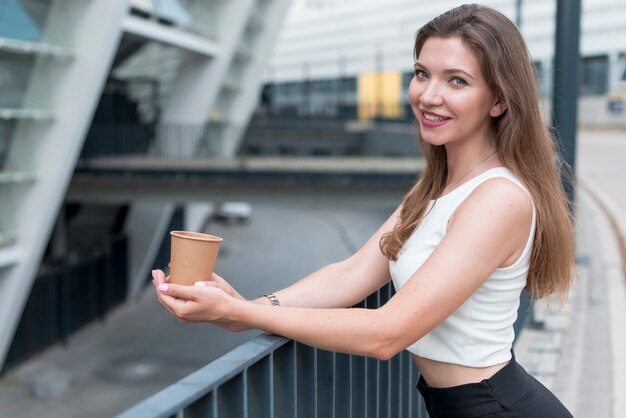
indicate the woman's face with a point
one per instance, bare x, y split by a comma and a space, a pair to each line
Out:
449, 96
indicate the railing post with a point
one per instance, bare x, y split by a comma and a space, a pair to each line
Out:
566, 82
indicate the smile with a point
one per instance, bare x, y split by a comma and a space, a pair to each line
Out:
432, 120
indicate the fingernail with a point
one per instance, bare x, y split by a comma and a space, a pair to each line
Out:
163, 287
154, 274
199, 284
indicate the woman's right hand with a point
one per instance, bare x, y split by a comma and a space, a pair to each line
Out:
219, 282
216, 281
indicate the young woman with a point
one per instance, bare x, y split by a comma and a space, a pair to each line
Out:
487, 218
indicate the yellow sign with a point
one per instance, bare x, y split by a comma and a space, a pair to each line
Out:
380, 95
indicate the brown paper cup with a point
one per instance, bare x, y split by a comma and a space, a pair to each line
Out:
193, 256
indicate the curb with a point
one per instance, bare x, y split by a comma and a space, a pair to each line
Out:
614, 273
611, 211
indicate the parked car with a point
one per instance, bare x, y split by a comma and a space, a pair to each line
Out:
231, 212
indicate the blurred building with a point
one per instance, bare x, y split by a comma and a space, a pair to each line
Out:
354, 58
96, 78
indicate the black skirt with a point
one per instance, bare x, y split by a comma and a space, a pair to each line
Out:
511, 392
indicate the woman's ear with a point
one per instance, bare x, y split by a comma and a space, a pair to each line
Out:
498, 108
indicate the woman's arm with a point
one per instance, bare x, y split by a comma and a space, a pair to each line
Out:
489, 227
341, 284
345, 283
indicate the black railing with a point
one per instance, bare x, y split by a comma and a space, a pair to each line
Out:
274, 377
70, 293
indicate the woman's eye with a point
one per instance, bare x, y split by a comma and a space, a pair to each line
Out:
457, 81
421, 74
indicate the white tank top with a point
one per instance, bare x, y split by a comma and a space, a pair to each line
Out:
480, 332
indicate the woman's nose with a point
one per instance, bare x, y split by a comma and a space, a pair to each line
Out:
432, 94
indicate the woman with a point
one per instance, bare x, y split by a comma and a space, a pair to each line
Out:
487, 218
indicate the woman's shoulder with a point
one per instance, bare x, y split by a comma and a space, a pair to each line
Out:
500, 181
509, 189
498, 195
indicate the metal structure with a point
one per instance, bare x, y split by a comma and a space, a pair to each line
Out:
566, 80
56, 57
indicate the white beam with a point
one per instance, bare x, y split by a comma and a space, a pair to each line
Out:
153, 31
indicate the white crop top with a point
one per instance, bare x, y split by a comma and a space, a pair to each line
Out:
480, 332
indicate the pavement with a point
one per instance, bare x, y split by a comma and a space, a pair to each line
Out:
579, 352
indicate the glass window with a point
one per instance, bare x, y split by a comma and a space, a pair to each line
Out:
15, 72
406, 80
23, 20
348, 84
594, 75
621, 65
540, 77
6, 132
538, 70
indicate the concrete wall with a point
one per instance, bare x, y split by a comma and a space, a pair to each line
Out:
602, 112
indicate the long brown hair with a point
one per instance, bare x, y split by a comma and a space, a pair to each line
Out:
524, 145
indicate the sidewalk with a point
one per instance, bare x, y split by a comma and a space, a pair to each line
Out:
580, 354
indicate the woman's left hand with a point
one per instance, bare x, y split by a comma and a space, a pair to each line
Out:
200, 303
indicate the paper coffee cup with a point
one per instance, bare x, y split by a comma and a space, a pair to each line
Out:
193, 256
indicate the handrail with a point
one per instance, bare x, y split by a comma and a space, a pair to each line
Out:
274, 377
207, 380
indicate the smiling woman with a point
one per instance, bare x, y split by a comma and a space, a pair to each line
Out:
486, 219
450, 97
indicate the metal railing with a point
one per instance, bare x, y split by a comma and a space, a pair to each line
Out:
281, 154
69, 293
163, 142
275, 377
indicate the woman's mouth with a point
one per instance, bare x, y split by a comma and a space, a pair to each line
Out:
433, 120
